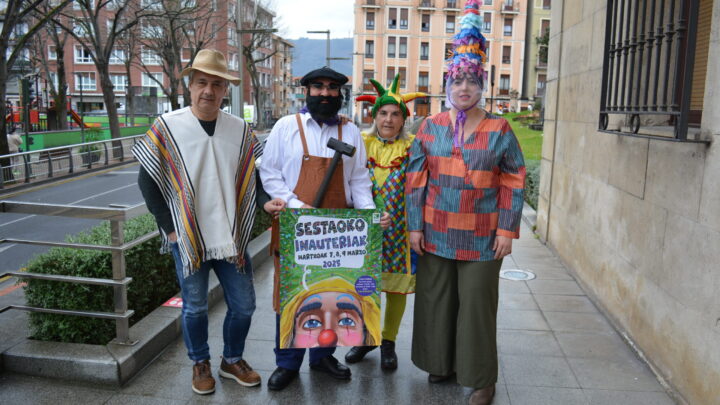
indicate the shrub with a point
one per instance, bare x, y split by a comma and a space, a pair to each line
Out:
532, 182
153, 274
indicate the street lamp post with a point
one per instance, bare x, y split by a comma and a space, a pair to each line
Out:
327, 45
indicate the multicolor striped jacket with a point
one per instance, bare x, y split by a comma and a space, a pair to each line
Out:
462, 197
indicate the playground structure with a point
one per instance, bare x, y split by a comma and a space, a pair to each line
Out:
45, 120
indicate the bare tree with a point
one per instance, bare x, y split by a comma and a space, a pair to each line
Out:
256, 49
52, 36
128, 46
12, 45
97, 25
181, 29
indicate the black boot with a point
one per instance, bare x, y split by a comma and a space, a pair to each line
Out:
358, 353
388, 358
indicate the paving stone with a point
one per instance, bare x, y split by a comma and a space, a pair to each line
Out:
594, 345
127, 399
525, 320
513, 287
565, 303
538, 371
18, 389
614, 375
532, 343
517, 301
524, 395
555, 287
603, 397
577, 321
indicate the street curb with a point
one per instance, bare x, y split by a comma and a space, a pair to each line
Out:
529, 215
114, 364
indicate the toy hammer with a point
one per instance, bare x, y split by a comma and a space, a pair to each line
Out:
340, 148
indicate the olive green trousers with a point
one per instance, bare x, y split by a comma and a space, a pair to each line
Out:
455, 319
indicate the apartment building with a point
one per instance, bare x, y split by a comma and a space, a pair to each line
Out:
282, 77
535, 70
412, 37
217, 29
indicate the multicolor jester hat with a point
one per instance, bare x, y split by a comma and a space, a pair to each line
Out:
389, 96
469, 53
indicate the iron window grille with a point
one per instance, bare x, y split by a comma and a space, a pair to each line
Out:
648, 62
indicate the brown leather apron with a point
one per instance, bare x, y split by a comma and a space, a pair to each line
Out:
312, 172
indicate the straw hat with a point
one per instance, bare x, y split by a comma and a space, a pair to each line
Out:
213, 63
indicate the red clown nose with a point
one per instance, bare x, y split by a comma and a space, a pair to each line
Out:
327, 338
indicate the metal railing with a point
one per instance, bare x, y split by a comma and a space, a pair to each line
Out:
38, 165
117, 215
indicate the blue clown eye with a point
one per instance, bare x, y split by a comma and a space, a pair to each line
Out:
312, 324
348, 322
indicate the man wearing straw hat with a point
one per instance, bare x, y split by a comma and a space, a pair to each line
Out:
198, 180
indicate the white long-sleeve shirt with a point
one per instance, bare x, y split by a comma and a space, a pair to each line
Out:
283, 157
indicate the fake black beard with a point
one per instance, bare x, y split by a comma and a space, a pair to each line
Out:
323, 111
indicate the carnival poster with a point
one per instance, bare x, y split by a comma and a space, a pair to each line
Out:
330, 272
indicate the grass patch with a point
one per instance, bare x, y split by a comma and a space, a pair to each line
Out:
530, 139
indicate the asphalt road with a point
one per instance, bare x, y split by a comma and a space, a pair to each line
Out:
118, 186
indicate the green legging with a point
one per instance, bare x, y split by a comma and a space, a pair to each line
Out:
394, 310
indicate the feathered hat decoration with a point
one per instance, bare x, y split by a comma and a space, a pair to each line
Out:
389, 96
469, 44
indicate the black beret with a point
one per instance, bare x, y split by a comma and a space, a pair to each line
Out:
326, 73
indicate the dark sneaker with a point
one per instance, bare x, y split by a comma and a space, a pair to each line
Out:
203, 382
240, 372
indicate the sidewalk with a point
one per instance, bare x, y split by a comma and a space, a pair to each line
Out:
554, 346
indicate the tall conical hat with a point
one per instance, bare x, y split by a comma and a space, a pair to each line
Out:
469, 45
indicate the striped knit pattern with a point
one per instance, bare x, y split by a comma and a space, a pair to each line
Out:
463, 197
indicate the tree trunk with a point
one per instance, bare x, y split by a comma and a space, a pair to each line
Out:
4, 146
109, 98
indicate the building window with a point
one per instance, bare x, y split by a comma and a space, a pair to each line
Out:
507, 27
186, 55
403, 47
234, 61
450, 24
392, 18
231, 35
404, 18
487, 22
487, 2
504, 89
451, 3
540, 87
150, 57
423, 81
119, 82
448, 50
391, 47
403, 73
85, 81
546, 4
506, 52
54, 80
544, 27
424, 50
390, 74
370, 20
151, 4
369, 49
367, 75
152, 79
52, 52
117, 56
425, 23
82, 55
80, 28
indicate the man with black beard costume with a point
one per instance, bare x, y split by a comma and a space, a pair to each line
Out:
294, 163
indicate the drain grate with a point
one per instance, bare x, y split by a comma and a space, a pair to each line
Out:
517, 275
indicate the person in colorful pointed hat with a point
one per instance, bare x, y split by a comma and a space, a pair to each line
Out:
387, 144
464, 189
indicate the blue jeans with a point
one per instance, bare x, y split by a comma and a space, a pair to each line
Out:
240, 298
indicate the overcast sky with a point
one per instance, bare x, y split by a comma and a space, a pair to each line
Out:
294, 17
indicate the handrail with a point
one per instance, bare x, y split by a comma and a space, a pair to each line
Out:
117, 215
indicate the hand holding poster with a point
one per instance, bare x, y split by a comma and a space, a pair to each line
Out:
329, 277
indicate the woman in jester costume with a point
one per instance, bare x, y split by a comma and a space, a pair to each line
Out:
387, 144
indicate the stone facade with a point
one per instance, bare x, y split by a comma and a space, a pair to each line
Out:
637, 219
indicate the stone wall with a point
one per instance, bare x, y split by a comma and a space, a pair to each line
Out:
638, 220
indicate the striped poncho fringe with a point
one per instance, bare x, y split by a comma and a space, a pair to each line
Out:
159, 154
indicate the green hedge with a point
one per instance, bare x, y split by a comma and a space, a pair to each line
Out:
153, 275
532, 182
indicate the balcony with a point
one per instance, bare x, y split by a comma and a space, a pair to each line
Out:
371, 4
510, 8
426, 5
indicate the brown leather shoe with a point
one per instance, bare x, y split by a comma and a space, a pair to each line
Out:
240, 372
203, 382
482, 396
